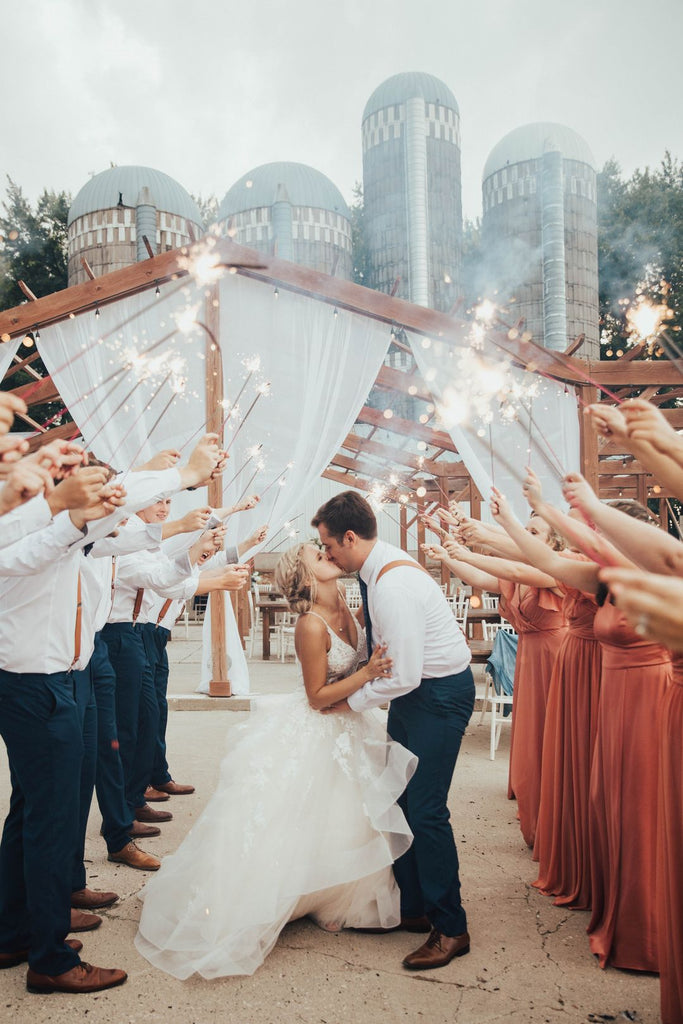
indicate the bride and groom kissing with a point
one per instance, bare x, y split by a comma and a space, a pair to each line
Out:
324, 808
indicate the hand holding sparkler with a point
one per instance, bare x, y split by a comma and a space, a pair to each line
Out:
433, 525
203, 462
12, 449
23, 482
194, 520
247, 503
103, 500
79, 490
59, 458
165, 459
435, 552
645, 422
652, 603
207, 545
10, 405
532, 489
579, 494
608, 420
257, 537
500, 508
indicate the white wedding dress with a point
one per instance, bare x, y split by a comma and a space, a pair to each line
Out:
304, 821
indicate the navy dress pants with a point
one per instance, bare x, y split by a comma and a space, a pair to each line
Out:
156, 639
87, 720
40, 727
137, 714
110, 786
430, 721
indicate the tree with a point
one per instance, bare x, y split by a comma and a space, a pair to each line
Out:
208, 208
362, 265
33, 244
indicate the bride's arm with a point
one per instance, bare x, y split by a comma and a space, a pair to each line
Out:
310, 639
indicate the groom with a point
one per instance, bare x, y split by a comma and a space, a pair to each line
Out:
432, 698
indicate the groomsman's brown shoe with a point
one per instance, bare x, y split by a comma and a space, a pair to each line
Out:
88, 899
135, 858
174, 789
21, 955
437, 951
140, 831
154, 795
148, 814
416, 924
82, 978
82, 922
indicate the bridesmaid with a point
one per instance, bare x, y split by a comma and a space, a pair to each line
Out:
562, 844
532, 602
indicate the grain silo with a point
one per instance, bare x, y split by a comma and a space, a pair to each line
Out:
293, 212
539, 233
412, 189
115, 209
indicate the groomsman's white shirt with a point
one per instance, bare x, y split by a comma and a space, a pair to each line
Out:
409, 614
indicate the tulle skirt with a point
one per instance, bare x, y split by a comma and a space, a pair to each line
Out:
304, 820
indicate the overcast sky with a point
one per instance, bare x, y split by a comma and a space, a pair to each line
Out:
208, 89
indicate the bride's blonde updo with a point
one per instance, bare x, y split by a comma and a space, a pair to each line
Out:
295, 580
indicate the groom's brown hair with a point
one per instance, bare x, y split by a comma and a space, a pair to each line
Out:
347, 511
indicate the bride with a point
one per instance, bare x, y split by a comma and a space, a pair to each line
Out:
304, 819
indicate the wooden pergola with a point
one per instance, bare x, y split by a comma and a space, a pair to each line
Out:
366, 457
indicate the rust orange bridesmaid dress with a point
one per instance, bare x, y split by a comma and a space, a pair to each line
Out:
670, 849
562, 841
536, 613
623, 795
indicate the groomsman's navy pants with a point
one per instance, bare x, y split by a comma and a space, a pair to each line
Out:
156, 638
137, 714
87, 720
110, 786
430, 721
40, 726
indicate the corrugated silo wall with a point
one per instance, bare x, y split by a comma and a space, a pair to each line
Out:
581, 244
384, 189
445, 221
511, 236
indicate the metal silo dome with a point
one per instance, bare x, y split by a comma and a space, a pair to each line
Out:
304, 185
292, 211
531, 141
102, 192
410, 85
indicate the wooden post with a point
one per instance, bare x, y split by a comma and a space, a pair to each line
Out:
403, 518
219, 685
588, 439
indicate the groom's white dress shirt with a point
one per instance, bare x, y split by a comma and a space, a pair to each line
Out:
409, 614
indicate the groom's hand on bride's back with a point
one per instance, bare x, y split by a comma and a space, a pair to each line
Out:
342, 705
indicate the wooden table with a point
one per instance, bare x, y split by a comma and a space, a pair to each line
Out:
268, 609
481, 651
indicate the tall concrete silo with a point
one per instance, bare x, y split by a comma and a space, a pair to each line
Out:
539, 233
291, 211
112, 212
412, 188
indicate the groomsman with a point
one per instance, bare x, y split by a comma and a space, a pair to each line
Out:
432, 699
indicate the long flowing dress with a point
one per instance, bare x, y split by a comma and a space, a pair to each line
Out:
536, 613
623, 795
562, 838
303, 821
670, 849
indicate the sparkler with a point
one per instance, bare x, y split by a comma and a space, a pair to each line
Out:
137, 419
287, 525
279, 479
253, 452
263, 389
176, 389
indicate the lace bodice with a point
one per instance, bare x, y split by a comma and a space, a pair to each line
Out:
342, 659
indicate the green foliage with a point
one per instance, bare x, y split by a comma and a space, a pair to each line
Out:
208, 208
362, 265
473, 285
32, 244
640, 248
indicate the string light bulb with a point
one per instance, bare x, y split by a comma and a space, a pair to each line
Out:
157, 290
97, 312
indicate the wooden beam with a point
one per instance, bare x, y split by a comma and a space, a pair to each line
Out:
408, 428
219, 685
88, 269
65, 430
27, 291
637, 373
46, 391
148, 246
354, 442
412, 384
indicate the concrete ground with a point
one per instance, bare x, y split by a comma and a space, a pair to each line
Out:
529, 962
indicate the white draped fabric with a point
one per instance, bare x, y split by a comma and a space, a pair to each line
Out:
320, 363
536, 423
8, 350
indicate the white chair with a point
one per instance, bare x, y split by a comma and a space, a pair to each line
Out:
285, 635
255, 617
490, 602
459, 605
353, 598
497, 702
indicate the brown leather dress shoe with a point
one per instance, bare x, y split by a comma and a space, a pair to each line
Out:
82, 978
140, 831
437, 951
21, 955
174, 789
82, 922
416, 924
146, 813
135, 858
87, 899
154, 795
